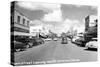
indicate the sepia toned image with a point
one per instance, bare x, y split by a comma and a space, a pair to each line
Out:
48, 33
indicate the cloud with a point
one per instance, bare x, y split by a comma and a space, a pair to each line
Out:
27, 5
55, 16
53, 10
79, 6
69, 24
37, 6
81, 29
36, 22
94, 7
66, 25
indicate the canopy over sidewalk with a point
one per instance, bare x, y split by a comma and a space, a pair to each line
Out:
21, 33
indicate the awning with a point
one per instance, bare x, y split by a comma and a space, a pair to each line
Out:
20, 33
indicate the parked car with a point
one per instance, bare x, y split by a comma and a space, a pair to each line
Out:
74, 39
22, 39
92, 44
35, 41
64, 40
22, 42
39, 40
79, 40
18, 46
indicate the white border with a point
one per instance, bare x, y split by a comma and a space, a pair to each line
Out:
5, 33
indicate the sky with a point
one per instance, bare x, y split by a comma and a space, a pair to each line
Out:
57, 17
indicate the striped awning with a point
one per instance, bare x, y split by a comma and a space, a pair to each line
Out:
20, 33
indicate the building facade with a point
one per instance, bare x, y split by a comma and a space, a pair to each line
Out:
19, 22
90, 21
91, 27
37, 27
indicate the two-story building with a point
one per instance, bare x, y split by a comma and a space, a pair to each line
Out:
19, 23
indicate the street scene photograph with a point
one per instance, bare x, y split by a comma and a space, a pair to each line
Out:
48, 33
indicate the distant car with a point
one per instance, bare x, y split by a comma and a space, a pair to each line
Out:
47, 39
92, 44
64, 40
55, 39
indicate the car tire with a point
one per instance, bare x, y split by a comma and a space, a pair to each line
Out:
27, 46
30, 44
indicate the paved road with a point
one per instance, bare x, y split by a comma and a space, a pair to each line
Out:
54, 50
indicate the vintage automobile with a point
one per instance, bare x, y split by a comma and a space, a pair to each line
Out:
39, 41
35, 41
74, 39
22, 42
92, 44
19, 43
79, 40
18, 46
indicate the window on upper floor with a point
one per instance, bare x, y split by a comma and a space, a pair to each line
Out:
23, 21
27, 23
18, 19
